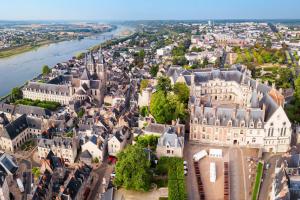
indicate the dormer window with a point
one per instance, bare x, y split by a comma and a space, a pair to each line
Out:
204, 121
242, 123
230, 123
251, 124
259, 125
217, 122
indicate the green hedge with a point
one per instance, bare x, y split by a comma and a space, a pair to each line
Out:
50, 105
258, 177
176, 180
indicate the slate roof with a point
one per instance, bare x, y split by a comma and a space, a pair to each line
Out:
85, 75
60, 142
32, 110
76, 182
13, 129
3, 119
8, 164
7, 108
86, 155
171, 139
43, 187
47, 87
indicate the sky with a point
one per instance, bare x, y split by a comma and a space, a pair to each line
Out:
148, 9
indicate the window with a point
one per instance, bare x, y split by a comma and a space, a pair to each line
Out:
242, 123
253, 140
229, 123
259, 125
168, 151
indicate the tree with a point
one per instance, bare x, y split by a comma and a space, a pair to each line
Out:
142, 54
148, 141
166, 107
16, 93
81, 113
205, 61
144, 111
80, 55
46, 70
144, 84
153, 70
182, 91
36, 172
164, 84
158, 107
96, 160
180, 60
297, 88
133, 169
269, 44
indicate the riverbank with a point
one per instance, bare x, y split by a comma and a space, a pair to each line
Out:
5, 53
25, 48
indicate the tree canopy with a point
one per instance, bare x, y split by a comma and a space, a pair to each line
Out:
182, 91
16, 93
153, 70
148, 140
164, 84
46, 70
133, 169
166, 107
144, 84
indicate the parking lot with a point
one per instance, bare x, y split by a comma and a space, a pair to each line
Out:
213, 191
240, 184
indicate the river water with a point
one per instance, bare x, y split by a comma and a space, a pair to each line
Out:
16, 70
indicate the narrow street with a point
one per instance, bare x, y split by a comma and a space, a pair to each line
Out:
237, 186
103, 171
267, 177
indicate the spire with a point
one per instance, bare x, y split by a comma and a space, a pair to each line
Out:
100, 56
85, 75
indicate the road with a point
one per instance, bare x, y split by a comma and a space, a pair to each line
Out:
103, 171
223, 59
26, 176
237, 176
267, 177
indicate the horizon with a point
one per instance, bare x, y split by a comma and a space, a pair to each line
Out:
132, 10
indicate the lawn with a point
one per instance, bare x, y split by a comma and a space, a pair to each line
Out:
42, 104
258, 177
28, 145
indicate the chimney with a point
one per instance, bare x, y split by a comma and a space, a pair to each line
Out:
233, 114
178, 130
192, 79
192, 110
264, 111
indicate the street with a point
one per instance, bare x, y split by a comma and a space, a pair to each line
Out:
267, 176
103, 171
236, 171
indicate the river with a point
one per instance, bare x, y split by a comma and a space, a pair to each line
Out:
16, 70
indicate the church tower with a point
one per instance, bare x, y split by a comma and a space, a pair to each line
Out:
101, 67
90, 63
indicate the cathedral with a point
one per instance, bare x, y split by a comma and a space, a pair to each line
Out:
85, 83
